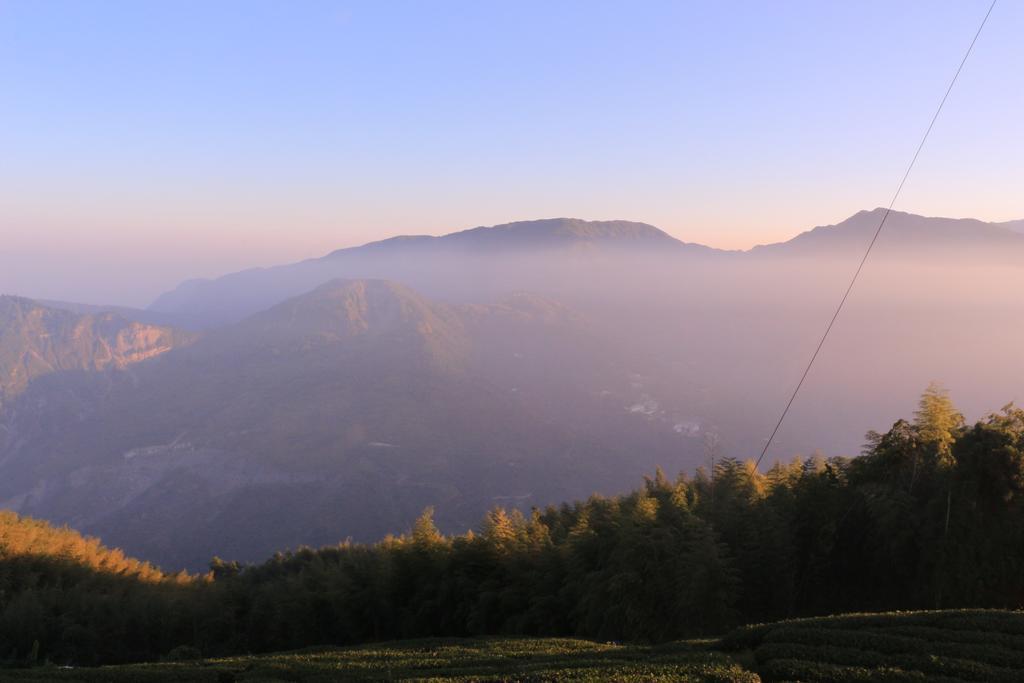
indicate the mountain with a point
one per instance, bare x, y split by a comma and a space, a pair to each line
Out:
342, 412
565, 257
138, 315
314, 407
359, 316
36, 340
523, 255
558, 233
904, 234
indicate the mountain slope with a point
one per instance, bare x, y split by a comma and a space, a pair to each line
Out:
36, 340
68, 599
342, 412
1015, 226
365, 312
32, 540
138, 315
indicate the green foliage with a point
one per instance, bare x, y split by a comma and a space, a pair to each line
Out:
968, 645
66, 598
183, 653
902, 527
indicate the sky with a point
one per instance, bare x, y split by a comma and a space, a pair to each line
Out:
144, 143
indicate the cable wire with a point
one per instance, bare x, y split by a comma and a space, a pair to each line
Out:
878, 231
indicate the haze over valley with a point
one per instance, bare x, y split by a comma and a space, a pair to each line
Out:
520, 365
349, 340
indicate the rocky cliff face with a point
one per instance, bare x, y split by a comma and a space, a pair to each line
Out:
37, 340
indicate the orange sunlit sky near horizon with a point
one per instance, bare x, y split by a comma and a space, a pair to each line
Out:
146, 143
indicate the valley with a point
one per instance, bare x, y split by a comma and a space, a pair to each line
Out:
524, 365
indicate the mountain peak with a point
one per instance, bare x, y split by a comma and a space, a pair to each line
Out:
545, 233
903, 231
349, 306
344, 311
557, 230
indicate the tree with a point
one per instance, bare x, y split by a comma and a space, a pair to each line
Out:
424, 532
937, 421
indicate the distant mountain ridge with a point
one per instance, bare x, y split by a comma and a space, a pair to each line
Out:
543, 233
498, 258
902, 231
422, 261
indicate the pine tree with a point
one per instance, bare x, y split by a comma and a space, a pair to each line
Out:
424, 532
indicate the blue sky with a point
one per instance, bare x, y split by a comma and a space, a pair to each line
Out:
145, 142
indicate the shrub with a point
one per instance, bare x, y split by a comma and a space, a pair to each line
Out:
183, 653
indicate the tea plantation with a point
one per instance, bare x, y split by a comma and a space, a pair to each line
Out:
944, 646
488, 659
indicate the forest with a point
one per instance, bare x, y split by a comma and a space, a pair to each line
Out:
930, 516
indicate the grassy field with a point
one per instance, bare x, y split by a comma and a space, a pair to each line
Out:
945, 646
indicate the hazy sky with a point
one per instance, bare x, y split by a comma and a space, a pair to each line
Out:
145, 142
